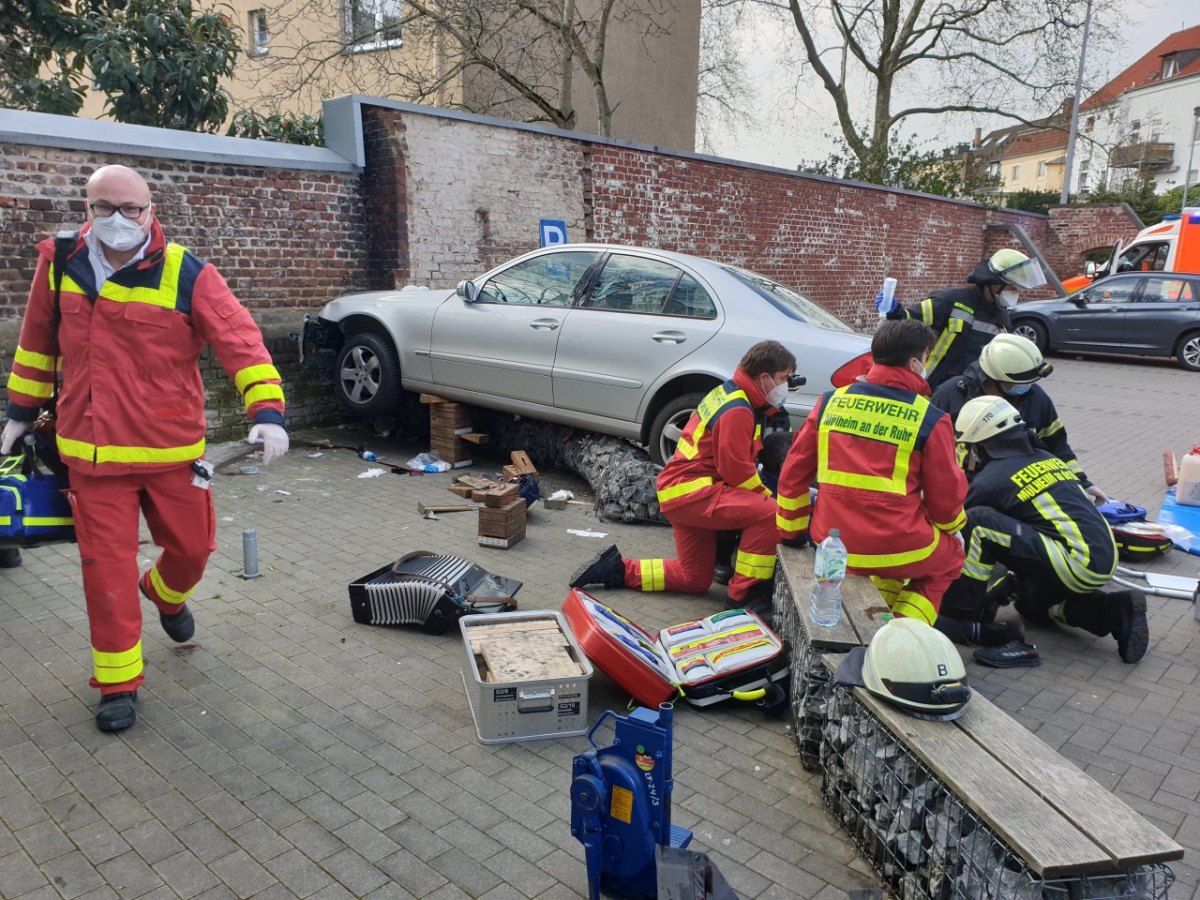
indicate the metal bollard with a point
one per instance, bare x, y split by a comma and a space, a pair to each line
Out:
250, 554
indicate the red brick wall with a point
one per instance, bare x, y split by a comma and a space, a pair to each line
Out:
1078, 229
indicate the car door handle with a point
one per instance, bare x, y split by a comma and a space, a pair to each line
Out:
669, 337
544, 324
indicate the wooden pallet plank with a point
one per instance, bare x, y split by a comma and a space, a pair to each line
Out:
1049, 843
1107, 820
795, 566
863, 607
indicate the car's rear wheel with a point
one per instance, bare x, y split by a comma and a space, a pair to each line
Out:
1188, 353
1034, 331
368, 375
668, 426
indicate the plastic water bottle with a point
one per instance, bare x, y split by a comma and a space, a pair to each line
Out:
368, 455
889, 291
829, 571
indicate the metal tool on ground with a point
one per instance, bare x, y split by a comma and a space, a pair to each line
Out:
426, 508
1162, 585
621, 803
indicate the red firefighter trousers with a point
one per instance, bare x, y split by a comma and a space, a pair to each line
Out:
696, 526
181, 521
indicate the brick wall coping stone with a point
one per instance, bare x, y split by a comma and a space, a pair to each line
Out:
99, 136
344, 133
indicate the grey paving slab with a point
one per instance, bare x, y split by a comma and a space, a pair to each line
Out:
292, 753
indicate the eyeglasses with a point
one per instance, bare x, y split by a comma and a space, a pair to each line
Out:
102, 210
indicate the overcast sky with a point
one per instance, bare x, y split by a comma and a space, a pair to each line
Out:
790, 127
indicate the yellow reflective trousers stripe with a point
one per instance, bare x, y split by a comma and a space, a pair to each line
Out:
114, 668
684, 488
654, 576
790, 525
166, 594
755, 565
912, 605
83, 450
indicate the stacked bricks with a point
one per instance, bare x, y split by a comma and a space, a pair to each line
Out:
447, 422
502, 526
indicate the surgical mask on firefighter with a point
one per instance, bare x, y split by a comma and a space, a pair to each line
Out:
119, 233
1008, 298
777, 394
1018, 390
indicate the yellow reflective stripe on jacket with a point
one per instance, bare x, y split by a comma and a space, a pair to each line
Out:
166, 594
927, 311
69, 284
1071, 557
900, 433
42, 361
40, 389
714, 401
959, 521
68, 447
261, 392
940, 348
1053, 428
684, 488
165, 294
114, 668
253, 374
891, 560
654, 575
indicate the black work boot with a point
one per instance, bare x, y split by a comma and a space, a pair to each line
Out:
1125, 612
117, 711
179, 627
986, 634
10, 557
607, 569
760, 599
727, 544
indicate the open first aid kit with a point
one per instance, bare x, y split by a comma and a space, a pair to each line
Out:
732, 655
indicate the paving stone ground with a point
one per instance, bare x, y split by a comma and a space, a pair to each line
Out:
293, 753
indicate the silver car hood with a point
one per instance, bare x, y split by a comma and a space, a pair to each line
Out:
336, 310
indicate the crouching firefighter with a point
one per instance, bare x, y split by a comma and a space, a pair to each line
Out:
882, 458
711, 484
1027, 510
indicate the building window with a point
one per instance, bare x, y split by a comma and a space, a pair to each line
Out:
259, 35
374, 23
1196, 129
993, 170
1016, 173
1170, 67
1041, 169
1090, 125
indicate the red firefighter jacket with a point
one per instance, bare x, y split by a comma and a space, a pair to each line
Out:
883, 460
132, 398
719, 445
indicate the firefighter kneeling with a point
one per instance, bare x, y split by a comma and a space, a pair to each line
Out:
1028, 511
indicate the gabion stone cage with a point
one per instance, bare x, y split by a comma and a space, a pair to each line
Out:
810, 677
924, 841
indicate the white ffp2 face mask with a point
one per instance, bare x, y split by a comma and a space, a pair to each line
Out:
118, 233
777, 395
1008, 298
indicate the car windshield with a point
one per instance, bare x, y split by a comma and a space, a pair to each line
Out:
788, 301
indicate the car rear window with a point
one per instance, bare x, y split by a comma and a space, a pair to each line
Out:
787, 301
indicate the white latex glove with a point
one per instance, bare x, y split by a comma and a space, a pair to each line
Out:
273, 438
13, 430
1098, 496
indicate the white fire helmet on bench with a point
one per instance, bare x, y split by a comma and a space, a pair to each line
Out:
917, 668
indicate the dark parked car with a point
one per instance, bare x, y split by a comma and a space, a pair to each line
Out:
1139, 313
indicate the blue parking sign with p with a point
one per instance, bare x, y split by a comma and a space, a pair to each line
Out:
552, 232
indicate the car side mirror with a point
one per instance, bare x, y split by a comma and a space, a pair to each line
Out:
1080, 301
468, 291
1090, 269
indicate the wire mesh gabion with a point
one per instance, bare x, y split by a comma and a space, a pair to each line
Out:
924, 841
810, 678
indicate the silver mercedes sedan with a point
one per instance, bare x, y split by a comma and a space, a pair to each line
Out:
620, 340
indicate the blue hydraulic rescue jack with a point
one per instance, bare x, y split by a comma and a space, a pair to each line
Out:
621, 803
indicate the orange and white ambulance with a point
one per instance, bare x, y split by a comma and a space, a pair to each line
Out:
1173, 245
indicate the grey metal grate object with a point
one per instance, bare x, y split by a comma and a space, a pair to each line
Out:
923, 840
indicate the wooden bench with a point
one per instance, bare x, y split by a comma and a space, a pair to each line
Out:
978, 808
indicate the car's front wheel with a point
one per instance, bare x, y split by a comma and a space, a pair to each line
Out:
668, 426
1033, 331
368, 375
1188, 353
